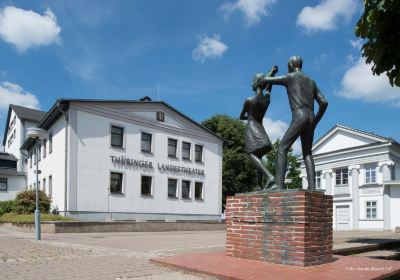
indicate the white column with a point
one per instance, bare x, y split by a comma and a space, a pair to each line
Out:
354, 170
384, 167
304, 182
327, 175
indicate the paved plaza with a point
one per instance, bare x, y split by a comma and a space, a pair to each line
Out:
121, 255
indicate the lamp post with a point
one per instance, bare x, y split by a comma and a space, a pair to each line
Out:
37, 134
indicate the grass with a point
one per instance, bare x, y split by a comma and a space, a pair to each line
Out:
30, 218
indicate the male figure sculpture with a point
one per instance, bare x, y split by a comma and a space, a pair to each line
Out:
302, 91
257, 141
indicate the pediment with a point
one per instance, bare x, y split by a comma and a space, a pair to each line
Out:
340, 138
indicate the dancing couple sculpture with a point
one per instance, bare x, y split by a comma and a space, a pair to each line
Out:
302, 91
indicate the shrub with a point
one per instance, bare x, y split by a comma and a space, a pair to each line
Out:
6, 206
25, 202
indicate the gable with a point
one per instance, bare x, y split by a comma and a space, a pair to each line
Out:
145, 113
341, 138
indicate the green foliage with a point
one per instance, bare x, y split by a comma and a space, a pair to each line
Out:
25, 202
379, 26
238, 174
6, 206
30, 218
293, 165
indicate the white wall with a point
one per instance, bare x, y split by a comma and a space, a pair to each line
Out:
93, 166
395, 206
53, 164
15, 184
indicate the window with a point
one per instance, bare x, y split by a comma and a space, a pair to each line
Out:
44, 185
318, 179
39, 152
198, 190
342, 176
186, 150
146, 142
50, 185
146, 185
116, 182
30, 158
3, 184
50, 142
186, 189
117, 136
172, 188
392, 173
172, 147
198, 153
371, 209
370, 173
44, 148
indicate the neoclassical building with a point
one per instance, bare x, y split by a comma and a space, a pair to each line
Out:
362, 172
123, 160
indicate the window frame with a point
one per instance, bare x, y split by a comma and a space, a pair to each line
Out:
176, 188
44, 147
371, 207
341, 176
151, 186
190, 150
50, 185
201, 160
176, 148
202, 190
369, 169
189, 191
122, 128
4, 181
141, 142
50, 142
122, 183
318, 180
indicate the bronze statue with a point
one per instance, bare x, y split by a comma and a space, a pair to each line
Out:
302, 91
257, 141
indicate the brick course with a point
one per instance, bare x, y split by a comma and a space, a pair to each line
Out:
292, 227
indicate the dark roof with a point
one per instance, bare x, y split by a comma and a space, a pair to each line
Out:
7, 156
22, 113
28, 113
62, 104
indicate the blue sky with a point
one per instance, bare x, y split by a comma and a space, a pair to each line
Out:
202, 54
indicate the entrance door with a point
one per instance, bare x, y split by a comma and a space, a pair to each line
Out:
343, 217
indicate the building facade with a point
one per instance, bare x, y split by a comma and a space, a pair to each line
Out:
362, 171
12, 160
124, 160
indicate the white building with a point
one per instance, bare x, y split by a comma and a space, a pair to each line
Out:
122, 160
12, 163
362, 171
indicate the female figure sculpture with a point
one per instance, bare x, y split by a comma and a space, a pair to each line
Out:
257, 140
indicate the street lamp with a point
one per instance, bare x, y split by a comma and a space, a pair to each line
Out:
37, 134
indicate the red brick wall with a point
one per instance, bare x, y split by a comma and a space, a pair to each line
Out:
292, 227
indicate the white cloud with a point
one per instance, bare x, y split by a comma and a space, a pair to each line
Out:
27, 29
276, 130
326, 14
359, 83
209, 48
14, 94
252, 10
357, 44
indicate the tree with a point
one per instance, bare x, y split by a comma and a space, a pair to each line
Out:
238, 173
379, 25
293, 165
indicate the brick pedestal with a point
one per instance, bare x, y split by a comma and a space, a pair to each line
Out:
292, 227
